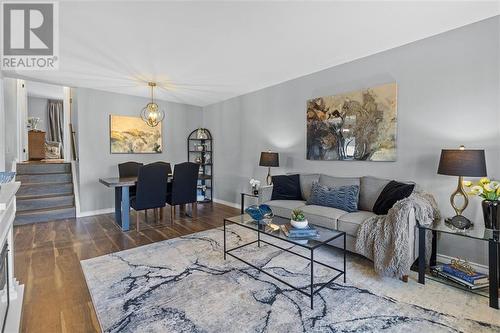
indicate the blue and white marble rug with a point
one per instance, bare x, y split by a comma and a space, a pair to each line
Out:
184, 285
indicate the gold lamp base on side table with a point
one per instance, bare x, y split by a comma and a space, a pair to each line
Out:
459, 221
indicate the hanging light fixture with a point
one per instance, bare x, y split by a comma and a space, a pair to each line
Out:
151, 113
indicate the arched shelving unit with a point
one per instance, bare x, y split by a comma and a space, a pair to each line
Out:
200, 150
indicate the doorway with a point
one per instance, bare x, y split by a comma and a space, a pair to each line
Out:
44, 117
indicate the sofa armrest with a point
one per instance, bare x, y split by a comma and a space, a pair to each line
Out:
265, 193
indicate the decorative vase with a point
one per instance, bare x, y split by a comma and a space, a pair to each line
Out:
201, 134
491, 213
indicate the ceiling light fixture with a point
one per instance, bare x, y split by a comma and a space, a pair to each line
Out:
151, 113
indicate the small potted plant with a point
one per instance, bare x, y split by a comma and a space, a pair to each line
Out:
255, 186
298, 220
489, 190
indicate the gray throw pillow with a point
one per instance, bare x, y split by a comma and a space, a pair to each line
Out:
306, 180
342, 197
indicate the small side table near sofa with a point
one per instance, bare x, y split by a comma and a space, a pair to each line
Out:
477, 232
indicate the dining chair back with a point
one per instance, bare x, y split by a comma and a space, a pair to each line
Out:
184, 184
151, 187
167, 165
129, 169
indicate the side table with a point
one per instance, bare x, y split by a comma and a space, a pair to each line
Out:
477, 232
243, 195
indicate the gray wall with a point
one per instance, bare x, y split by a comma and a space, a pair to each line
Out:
96, 161
37, 107
448, 94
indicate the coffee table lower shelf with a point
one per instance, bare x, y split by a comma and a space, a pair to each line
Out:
313, 288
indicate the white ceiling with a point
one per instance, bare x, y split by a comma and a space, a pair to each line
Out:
205, 52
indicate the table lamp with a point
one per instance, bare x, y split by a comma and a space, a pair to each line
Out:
269, 160
462, 163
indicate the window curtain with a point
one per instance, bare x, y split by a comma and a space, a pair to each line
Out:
56, 121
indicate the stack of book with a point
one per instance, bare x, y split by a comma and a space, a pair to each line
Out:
298, 234
471, 281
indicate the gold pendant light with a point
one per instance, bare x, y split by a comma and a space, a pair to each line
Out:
151, 113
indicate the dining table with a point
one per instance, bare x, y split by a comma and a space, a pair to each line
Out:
122, 197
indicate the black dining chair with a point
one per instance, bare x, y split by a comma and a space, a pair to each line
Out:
169, 168
151, 189
183, 188
129, 169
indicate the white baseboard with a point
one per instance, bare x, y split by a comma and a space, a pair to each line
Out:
227, 203
95, 212
477, 267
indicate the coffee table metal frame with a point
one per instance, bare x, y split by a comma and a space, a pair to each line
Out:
257, 227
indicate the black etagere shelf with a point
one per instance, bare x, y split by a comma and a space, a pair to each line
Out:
200, 150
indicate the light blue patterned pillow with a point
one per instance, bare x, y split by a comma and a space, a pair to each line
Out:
342, 197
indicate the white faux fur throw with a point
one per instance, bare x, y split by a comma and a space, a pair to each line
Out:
384, 238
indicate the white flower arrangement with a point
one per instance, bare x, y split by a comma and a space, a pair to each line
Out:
254, 183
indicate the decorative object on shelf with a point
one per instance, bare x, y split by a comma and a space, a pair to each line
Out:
255, 186
462, 163
131, 135
489, 190
201, 134
260, 213
298, 219
269, 160
360, 125
462, 265
151, 114
199, 150
33, 123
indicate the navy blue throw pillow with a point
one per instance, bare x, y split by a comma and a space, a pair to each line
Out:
392, 193
341, 197
286, 187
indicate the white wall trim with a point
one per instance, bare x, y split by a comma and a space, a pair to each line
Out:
76, 186
95, 212
227, 203
66, 119
477, 267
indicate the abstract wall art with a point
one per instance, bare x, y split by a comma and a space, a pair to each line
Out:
131, 135
356, 126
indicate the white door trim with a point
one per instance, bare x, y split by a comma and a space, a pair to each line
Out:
22, 121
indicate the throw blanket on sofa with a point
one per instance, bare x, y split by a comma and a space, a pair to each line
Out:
385, 238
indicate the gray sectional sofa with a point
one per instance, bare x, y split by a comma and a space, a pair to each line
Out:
370, 188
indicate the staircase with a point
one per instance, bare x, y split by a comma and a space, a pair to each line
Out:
46, 192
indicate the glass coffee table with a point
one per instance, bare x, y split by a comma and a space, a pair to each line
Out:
273, 230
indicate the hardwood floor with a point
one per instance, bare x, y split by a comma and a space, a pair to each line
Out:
47, 262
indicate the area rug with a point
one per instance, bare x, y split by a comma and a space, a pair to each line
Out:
185, 285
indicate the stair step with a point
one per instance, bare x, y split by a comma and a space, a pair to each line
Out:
43, 190
45, 202
38, 168
44, 215
44, 178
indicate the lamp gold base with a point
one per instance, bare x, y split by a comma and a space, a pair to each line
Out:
269, 179
459, 192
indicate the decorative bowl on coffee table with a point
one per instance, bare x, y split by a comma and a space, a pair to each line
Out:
299, 224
